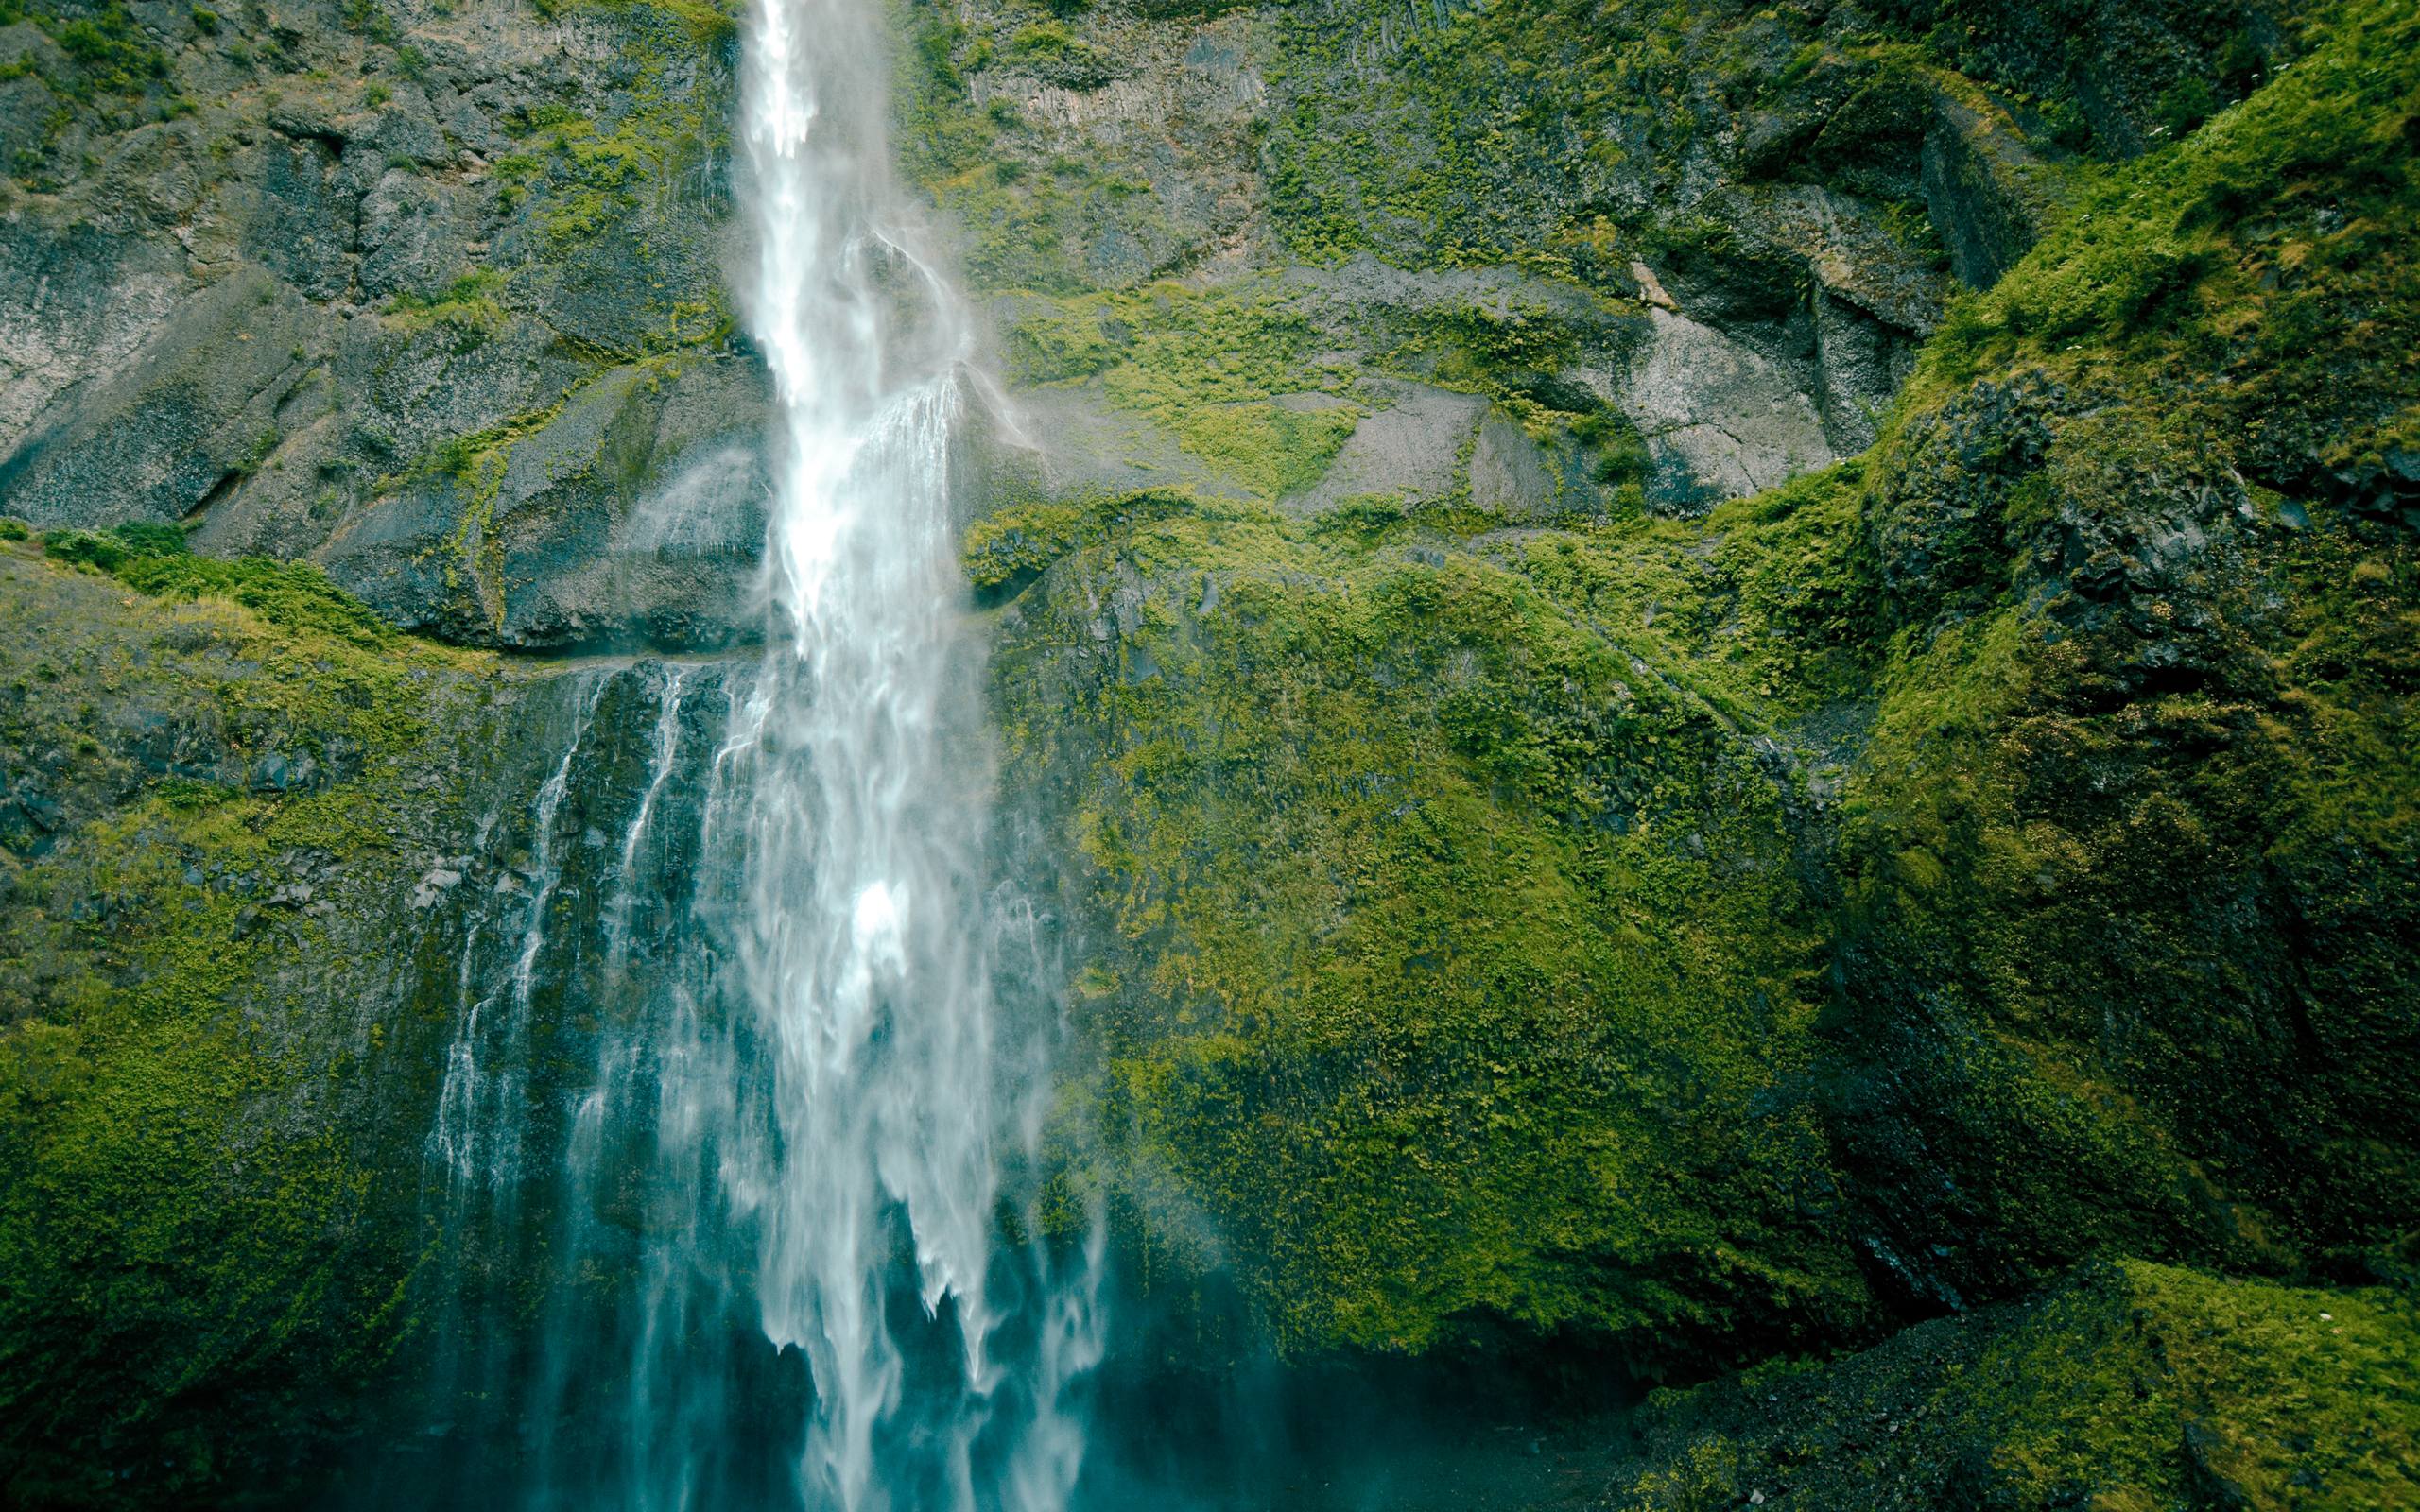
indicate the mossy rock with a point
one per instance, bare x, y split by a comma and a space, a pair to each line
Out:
2137, 820
229, 947
1440, 959
2132, 1384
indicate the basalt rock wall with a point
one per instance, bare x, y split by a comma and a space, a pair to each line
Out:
1676, 688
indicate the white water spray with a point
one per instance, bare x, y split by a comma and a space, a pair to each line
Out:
863, 946
806, 1083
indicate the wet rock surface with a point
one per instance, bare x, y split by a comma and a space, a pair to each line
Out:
251, 878
353, 272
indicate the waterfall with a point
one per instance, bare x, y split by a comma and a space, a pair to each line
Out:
865, 951
478, 1133
754, 1259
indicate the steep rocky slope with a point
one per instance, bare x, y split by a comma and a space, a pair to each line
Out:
1845, 902
1686, 685
260, 852
429, 297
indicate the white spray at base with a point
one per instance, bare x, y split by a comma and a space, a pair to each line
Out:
863, 941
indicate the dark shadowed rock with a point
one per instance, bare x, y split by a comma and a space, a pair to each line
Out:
1977, 187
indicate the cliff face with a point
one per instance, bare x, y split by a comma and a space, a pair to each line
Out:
1692, 683
431, 297
264, 855
1844, 900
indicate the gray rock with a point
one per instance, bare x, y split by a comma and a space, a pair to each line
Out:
1846, 249
76, 305
1976, 188
1411, 450
26, 109
618, 290
150, 178
1720, 421
179, 425
298, 213
405, 128
1862, 363
412, 237
634, 516
22, 43
411, 384
1522, 480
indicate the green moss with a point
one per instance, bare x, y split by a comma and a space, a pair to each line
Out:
2132, 1386
111, 549
290, 595
1485, 136
2049, 759
1232, 373
1448, 962
1767, 607
583, 179
2268, 250
712, 26
1059, 55
1517, 351
467, 307
1058, 342
109, 55
2139, 794
1021, 235
1011, 546
1033, 221
2046, 852
193, 1256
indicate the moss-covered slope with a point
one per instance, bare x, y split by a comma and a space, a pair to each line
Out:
2132, 1386
2130, 864
252, 846
1450, 955
1873, 896
207, 812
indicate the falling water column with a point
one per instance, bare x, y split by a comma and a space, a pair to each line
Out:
864, 947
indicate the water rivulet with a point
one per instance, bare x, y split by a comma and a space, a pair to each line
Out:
736, 1098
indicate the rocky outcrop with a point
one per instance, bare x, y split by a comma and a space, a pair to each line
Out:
1695, 370
1721, 419
2058, 763
632, 515
1984, 191
177, 429
359, 267
2127, 1382
1366, 838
